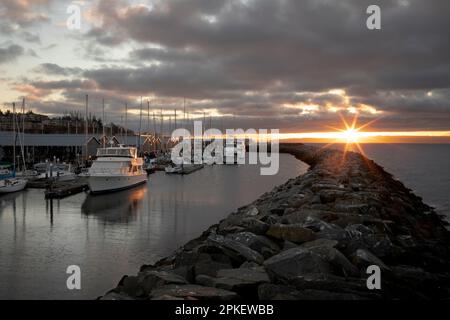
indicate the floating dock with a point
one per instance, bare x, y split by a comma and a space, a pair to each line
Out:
59, 190
190, 169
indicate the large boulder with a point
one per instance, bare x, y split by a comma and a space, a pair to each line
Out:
293, 232
261, 244
234, 249
364, 258
254, 225
153, 279
244, 281
294, 263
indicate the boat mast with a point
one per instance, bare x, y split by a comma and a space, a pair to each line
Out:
22, 139
126, 124
184, 112
161, 124
103, 121
138, 144
14, 137
86, 128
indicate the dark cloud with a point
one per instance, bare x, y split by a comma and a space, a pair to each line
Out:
63, 84
54, 69
268, 61
11, 53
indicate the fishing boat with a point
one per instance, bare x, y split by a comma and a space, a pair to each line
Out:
116, 168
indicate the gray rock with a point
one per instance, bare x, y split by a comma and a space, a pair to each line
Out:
321, 186
327, 196
131, 286
324, 230
295, 262
269, 291
207, 266
244, 276
256, 242
320, 243
235, 249
153, 279
289, 245
294, 233
193, 291
254, 225
252, 211
356, 231
363, 258
298, 200
335, 258
205, 280
248, 264
352, 207
116, 296
283, 292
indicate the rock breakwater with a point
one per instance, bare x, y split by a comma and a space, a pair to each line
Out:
311, 238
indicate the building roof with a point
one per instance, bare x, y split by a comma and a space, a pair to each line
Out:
56, 140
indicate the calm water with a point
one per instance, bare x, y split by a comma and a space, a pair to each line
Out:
112, 235
424, 168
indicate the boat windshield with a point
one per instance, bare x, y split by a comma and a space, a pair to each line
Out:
116, 152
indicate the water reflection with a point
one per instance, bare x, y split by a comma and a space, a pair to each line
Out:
9, 199
116, 207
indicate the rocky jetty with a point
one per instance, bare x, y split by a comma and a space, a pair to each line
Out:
311, 238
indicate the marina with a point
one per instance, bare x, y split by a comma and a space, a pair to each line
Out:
124, 229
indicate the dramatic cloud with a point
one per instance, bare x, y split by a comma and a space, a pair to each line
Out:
282, 63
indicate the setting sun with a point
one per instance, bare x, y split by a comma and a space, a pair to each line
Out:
350, 135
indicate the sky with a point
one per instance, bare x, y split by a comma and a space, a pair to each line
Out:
298, 66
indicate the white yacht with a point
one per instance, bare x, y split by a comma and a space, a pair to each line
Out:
116, 168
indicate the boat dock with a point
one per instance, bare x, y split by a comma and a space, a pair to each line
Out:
190, 169
58, 190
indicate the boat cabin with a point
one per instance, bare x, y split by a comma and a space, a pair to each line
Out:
127, 152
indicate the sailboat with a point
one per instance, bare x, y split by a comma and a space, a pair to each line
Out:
13, 184
24, 173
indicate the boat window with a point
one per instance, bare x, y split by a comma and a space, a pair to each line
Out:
123, 152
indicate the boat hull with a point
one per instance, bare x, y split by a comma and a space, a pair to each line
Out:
103, 184
17, 186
